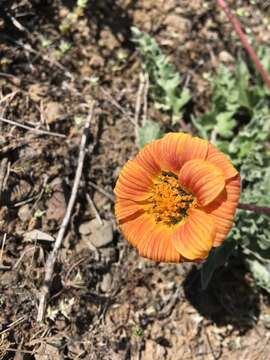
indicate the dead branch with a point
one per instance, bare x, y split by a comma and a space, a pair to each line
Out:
94, 209
110, 98
102, 191
39, 131
138, 106
2, 249
49, 266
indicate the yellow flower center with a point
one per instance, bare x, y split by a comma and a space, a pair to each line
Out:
169, 202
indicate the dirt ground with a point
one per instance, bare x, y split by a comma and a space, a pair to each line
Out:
105, 301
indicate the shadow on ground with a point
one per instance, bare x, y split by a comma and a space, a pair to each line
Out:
109, 14
229, 299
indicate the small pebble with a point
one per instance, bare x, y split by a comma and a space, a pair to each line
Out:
106, 283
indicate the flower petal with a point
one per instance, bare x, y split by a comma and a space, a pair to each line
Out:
217, 158
223, 209
137, 227
172, 145
165, 152
133, 182
158, 246
194, 148
174, 149
147, 158
125, 208
152, 241
204, 180
194, 238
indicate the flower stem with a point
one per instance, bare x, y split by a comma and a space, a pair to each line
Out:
255, 208
244, 40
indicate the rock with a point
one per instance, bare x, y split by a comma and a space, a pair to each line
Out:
106, 283
150, 311
96, 234
177, 23
24, 213
108, 40
56, 204
99, 234
225, 57
99, 200
37, 235
47, 351
20, 190
153, 351
9, 277
96, 61
84, 228
56, 207
53, 111
37, 92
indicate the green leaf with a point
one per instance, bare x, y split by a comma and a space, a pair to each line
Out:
204, 124
180, 101
240, 98
225, 124
149, 132
169, 84
165, 81
216, 259
261, 273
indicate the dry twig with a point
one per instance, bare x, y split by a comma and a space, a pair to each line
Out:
38, 131
94, 209
168, 309
11, 78
3, 171
49, 266
102, 191
140, 94
215, 357
2, 248
13, 324
117, 105
145, 99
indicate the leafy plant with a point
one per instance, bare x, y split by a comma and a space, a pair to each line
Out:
238, 122
236, 94
165, 81
241, 100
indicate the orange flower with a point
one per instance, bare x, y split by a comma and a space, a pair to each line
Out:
177, 198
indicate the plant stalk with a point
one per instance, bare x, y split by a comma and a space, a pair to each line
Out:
255, 208
244, 40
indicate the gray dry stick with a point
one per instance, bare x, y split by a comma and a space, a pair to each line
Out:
49, 266
26, 127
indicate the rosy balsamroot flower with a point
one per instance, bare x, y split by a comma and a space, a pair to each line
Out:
177, 198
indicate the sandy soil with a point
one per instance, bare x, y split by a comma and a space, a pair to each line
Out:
105, 301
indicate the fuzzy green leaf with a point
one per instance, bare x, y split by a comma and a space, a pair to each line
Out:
261, 273
225, 124
149, 132
165, 88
